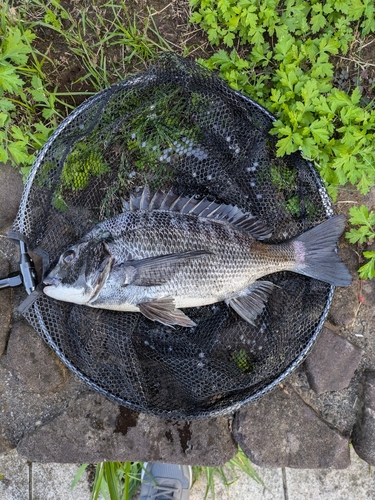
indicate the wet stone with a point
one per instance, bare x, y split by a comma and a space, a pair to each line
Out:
364, 429
332, 362
11, 188
280, 430
5, 307
94, 429
32, 362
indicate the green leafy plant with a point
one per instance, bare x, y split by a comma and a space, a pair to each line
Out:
364, 233
243, 361
120, 480
30, 106
283, 58
113, 480
82, 163
21, 97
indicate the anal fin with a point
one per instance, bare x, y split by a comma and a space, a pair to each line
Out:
252, 302
164, 311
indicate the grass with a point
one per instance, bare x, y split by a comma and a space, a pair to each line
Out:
109, 29
227, 474
113, 480
120, 480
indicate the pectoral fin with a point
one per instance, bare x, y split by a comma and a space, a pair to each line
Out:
154, 271
164, 311
249, 306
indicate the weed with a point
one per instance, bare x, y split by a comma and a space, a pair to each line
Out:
243, 361
21, 95
114, 480
120, 480
363, 233
108, 29
289, 70
30, 110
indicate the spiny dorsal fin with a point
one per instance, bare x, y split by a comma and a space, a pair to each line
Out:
201, 208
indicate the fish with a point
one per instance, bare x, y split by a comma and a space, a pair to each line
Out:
165, 253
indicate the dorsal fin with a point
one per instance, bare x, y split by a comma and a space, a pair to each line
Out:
171, 202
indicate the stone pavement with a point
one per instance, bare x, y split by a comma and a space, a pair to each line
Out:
24, 480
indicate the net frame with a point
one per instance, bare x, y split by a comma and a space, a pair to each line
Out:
32, 308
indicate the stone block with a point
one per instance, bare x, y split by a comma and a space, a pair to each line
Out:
364, 428
93, 429
354, 483
280, 430
5, 446
332, 362
32, 362
15, 482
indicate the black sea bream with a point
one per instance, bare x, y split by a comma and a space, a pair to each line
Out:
165, 253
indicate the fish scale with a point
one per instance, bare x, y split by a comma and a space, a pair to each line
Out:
174, 233
167, 252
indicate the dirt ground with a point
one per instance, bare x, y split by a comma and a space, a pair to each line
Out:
170, 19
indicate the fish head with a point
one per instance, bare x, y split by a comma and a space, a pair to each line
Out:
81, 272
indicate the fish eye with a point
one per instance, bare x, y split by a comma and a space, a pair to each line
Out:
68, 256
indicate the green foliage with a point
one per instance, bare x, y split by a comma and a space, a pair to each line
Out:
243, 361
364, 233
30, 106
119, 480
360, 216
227, 474
82, 163
28, 113
367, 271
113, 480
287, 66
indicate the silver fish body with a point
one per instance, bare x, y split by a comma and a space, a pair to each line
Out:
165, 253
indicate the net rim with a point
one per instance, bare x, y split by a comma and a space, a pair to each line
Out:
103, 98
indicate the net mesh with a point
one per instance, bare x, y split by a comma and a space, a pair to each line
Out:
175, 126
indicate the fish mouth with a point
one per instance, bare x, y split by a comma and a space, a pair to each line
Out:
49, 280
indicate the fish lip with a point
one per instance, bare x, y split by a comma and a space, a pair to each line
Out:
51, 281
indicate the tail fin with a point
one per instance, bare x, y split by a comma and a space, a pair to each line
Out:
316, 253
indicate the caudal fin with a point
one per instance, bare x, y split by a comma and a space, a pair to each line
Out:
316, 253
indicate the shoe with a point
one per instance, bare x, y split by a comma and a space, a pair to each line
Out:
165, 482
